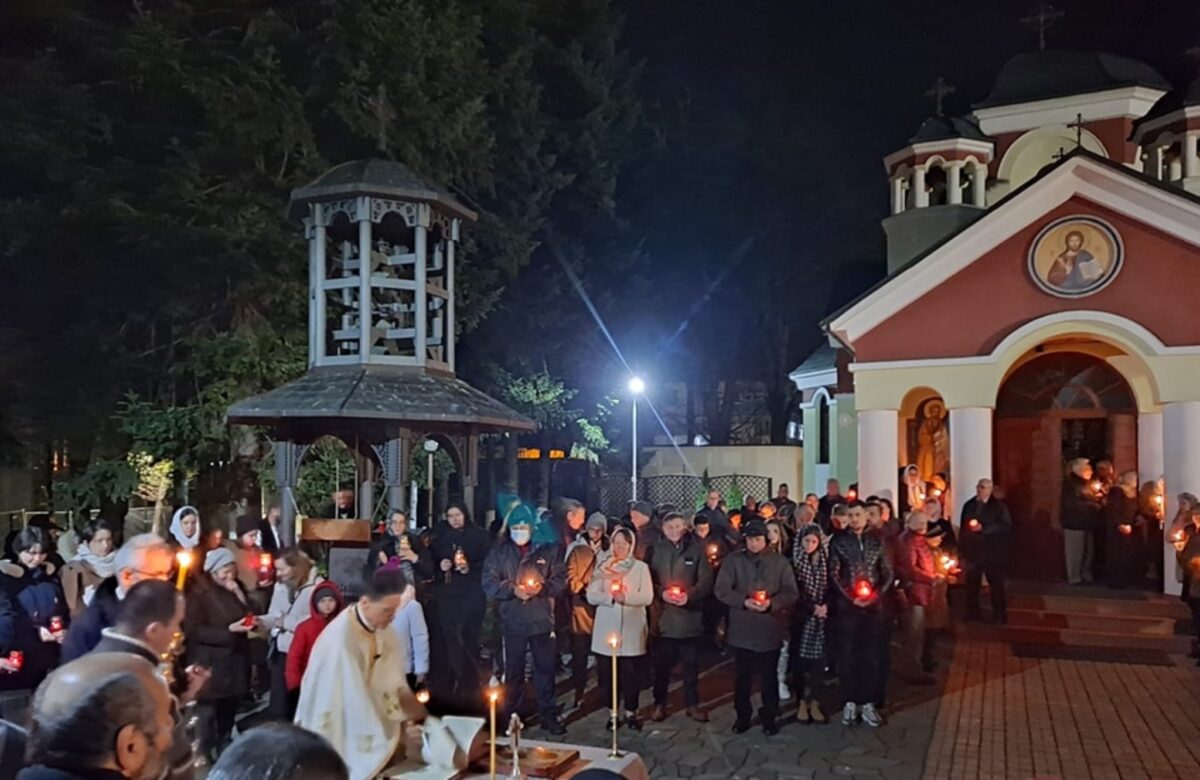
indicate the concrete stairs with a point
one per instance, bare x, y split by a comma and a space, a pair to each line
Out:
1088, 616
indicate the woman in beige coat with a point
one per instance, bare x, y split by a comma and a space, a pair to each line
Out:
620, 589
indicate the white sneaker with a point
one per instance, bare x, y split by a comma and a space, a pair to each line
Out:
785, 693
871, 717
849, 714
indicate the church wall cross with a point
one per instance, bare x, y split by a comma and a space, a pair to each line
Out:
1078, 125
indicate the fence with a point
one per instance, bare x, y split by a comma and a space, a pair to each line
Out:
685, 492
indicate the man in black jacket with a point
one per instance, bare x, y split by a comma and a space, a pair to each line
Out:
682, 582
986, 527
861, 576
144, 557
525, 578
1081, 508
759, 587
149, 618
833, 496
459, 550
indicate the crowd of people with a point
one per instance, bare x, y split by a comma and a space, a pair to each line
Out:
798, 593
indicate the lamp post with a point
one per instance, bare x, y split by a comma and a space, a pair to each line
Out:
431, 447
637, 386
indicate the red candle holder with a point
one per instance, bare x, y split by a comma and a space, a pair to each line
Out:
248, 621
713, 550
56, 625
1125, 530
974, 524
17, 659
760, 596
863, 589
676, 591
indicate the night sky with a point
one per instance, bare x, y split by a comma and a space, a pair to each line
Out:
829, 88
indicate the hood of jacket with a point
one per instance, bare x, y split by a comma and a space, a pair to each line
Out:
326, 588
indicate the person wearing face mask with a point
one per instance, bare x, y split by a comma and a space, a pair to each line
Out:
94, 563
39, 611
458, 550
581, 559
683, 581
758, 586
219, 620
810, 561
524, 573
185, 528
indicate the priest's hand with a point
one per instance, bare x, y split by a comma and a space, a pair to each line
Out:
412, 709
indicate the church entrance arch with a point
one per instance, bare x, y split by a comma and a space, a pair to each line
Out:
1054, 407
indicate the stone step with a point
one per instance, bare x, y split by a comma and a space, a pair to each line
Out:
1024, 634
1160, 607
1137, 625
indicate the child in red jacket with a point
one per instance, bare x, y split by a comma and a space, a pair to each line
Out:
326, 603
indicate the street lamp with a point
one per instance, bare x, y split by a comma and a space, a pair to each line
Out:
637, 386
431, 447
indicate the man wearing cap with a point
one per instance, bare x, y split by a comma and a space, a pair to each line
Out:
581, 559
645, 531
758, 586
683, 581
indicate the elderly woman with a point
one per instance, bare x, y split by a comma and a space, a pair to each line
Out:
218, 623
620, 590
918, 574
93, 563
810, 560
1124, 532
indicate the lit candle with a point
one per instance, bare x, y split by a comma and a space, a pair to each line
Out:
614, 642
615, 587
676, 591
17, 659
974, 524
760, 596
1096, 486
531, 582
423, 696
1158, 500
56, 625
1178, 535
852, 494
1125, 529
264, 561
493, 697
185, 560
863, 589
937, 492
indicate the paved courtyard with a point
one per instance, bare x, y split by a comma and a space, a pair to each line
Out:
999, 716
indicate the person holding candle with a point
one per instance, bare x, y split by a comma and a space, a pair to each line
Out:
524, 573
296, 577
918, 573
810, 560
217, 632
459, 548
1187, 553
1080, 517
984, 549
581, 562
759, 587
683, 581
38, 609
398, 546
1125, 528
621, 589
861, 576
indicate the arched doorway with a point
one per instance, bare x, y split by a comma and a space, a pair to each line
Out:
1052, 408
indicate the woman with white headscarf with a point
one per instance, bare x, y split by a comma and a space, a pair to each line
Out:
185, 528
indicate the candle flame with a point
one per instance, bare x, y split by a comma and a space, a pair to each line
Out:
423, 696
493, 695
614, 640
184, 557
264, 560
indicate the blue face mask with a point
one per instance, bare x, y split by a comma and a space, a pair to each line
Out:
520, 535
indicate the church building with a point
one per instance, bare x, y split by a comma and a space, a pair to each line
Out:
1042, 300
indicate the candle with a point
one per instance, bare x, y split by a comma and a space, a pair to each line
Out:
423, 696
1096, 486
615, 587
614, 641
185, 560
937, 492
1158, 500
852, 494
760, 596
248, 621
863, 589
460, 558
974, 524
493, 697
531, 582
676, 591
1125, 529
56, 625
1178, 535
17, 659
264, 561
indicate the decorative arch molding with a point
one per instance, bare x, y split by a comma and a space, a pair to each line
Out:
1050, 136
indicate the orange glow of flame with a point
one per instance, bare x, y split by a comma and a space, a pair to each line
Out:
265, 560
614, 640
423, 696
863, 589
974, 524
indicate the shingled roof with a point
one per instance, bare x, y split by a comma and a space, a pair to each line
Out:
380, 178
381, 393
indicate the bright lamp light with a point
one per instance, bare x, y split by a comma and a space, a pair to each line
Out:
637, 385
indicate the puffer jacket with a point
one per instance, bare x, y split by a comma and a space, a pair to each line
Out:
744, 573
855, 557
308, 631
685, 566
36, 598
507, 565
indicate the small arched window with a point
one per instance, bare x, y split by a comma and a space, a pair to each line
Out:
822, 429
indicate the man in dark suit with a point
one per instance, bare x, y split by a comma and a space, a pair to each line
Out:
268, 531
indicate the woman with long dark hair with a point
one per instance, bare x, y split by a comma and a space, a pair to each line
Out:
459, 549
38, 611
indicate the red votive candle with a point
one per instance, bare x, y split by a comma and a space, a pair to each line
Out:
863, 589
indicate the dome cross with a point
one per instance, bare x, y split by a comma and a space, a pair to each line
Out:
938, 92
1042, 19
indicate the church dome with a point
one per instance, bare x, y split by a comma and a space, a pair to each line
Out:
1043, 75
941, 128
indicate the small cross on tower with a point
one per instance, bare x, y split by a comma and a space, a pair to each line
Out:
1042, 19
1078, 125
938, 92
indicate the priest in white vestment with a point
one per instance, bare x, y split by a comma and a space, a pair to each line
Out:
354, 692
